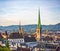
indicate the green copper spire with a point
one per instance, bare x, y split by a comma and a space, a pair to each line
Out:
39, 21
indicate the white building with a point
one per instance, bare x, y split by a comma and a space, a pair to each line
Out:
15, 39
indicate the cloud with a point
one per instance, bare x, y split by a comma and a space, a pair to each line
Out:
27, 12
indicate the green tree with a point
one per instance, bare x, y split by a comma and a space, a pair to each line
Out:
4, 48
7, 44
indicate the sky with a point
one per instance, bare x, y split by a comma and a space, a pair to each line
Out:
26, 11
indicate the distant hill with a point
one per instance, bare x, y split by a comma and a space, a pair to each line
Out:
28, 28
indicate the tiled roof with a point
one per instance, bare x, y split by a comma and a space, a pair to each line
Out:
15, 35
29, 39
23, 49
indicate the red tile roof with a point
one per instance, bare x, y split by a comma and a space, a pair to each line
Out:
15, 35
23, 49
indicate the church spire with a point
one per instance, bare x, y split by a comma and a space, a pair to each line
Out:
39, 21
38, 29
19, 25
21, 31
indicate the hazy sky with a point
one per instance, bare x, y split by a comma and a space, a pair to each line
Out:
26, 11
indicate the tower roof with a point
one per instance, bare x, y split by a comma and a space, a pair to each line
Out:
39, 21
19, 25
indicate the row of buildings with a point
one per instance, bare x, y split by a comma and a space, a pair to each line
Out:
37, 41
15, 39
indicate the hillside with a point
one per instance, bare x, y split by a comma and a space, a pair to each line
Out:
29, 28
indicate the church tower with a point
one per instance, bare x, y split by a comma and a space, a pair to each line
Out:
21, 31
38, 29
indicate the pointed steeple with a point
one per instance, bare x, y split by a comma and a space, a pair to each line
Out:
19, 25
21, 31
38, 29
39, 21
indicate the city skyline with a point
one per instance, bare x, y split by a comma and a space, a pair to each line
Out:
13, 11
